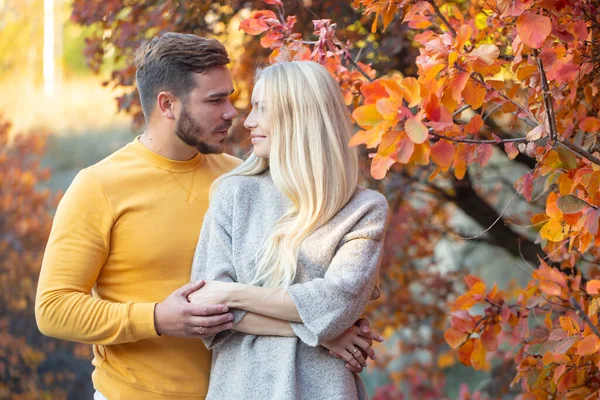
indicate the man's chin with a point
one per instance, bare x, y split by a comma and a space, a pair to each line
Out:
205, 148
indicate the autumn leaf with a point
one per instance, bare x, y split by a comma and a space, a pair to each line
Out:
593, 287
367, 116
533, 29
486, 53
442, 153
474, 94
455, 338
570, 204
411, 91
416, 131
589, 345
511, 150
590, 124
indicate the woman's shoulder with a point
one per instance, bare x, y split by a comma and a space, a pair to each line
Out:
232, 186
368, 200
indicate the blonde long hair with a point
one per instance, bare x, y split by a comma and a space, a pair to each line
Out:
310, 161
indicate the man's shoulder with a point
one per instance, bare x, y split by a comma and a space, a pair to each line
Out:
222, 163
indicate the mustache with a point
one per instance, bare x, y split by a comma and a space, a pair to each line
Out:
223, 127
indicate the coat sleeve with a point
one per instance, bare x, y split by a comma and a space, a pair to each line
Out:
213, 258
330, 305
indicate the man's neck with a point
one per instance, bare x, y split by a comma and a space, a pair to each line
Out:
168, 147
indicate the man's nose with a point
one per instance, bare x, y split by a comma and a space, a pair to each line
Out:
230, 113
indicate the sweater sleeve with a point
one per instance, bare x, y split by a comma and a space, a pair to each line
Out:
213, 259
330, 305
77, 249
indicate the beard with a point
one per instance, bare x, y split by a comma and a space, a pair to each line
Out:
188, 130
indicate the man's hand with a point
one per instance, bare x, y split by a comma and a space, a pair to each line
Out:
362, 332
176, 316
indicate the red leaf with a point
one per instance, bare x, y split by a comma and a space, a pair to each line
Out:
511, 150
442, 153
484, 153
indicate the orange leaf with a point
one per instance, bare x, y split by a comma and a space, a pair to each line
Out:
446, 359
373, 91
465, 351
458, 85
474, 94
550, 288
421, 153
533, 29
472, 280
412, 91
593, 286
474, 124
478, 356
590, 124
442, 153
455, 338
386, 155
416, 131
550, 358
393, 89
370, 137
589, 345
253, 26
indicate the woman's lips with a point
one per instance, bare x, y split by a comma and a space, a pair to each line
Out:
257, 138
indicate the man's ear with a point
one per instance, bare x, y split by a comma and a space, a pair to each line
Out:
166, 103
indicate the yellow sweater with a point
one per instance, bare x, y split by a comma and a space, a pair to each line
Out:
126, 231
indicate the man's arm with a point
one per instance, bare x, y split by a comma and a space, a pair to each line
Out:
77, 248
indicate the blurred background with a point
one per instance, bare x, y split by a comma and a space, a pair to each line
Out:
67, 100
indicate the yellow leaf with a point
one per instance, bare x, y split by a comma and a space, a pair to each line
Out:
367, 116
554, 230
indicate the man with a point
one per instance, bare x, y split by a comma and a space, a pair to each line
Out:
127, 228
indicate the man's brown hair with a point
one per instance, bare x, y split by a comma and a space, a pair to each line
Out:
168, 63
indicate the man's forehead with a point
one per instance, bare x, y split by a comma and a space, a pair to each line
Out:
217, 80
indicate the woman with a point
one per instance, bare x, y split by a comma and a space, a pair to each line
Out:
292, 244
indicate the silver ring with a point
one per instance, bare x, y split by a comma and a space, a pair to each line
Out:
355, 350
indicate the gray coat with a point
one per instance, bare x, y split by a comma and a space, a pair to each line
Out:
337, 272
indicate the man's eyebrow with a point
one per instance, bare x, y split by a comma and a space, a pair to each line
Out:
221, 94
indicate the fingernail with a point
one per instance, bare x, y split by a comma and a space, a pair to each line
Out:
229, 326
224, 309
230, 318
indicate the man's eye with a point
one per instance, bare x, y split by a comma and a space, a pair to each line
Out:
215, 100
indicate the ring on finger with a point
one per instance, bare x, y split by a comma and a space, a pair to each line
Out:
355, 350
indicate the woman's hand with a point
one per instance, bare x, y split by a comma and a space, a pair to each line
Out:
213, 292
353, 346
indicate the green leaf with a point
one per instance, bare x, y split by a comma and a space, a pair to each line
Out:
570, 204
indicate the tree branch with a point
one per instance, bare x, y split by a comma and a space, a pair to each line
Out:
546, 96
441, 16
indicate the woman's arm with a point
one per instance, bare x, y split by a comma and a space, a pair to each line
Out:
326, 306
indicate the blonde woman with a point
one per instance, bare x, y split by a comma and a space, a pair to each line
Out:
292, 244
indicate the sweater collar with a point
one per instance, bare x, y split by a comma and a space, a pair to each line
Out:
163, 162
